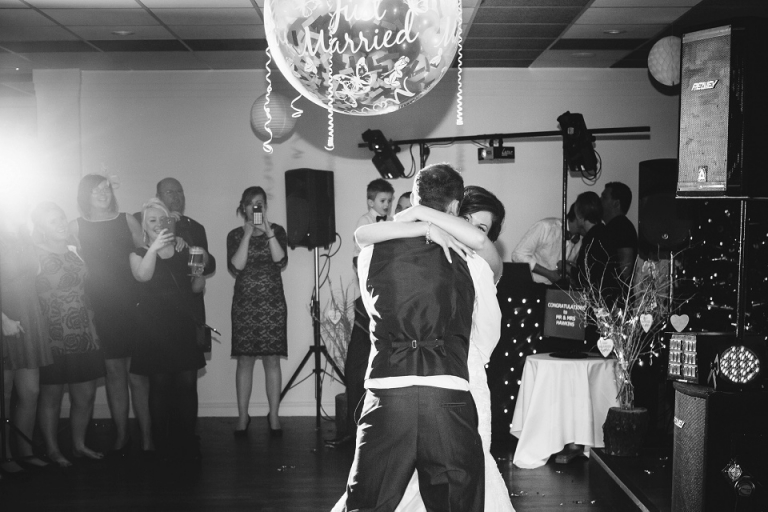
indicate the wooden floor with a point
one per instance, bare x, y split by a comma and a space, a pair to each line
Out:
295, 473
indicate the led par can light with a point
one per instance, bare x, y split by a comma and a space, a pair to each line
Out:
717, 360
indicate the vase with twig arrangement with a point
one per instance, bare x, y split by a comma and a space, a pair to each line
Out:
629, 326
337, 321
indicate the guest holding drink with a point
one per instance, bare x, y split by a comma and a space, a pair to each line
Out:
106, 239
166, 349
25, 336
256, 254
77, 359
171, 193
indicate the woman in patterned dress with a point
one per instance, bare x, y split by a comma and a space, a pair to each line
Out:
77, 359
25, 333
256, 254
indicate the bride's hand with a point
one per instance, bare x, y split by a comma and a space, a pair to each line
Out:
448, 243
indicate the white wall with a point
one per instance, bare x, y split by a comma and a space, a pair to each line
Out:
195, 126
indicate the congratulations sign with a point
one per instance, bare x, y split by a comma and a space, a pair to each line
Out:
363, 57
563, 318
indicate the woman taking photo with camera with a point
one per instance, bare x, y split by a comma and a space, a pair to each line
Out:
256, 254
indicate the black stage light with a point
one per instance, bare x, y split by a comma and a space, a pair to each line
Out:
384, 158
577, 144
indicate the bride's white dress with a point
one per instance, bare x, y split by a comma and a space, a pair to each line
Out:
486, 329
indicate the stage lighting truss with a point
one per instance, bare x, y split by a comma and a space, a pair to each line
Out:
738, 364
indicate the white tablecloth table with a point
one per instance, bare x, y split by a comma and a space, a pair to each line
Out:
561, 401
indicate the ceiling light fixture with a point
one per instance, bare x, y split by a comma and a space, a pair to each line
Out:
122, 32
613, 32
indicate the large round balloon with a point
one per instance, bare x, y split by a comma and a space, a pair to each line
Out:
363, 57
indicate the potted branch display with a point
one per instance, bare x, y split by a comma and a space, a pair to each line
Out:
336, 331
629, 329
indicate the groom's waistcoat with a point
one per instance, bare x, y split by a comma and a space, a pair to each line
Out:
422, 310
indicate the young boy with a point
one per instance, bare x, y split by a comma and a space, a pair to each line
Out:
380, 195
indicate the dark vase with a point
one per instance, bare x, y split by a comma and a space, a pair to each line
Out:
624, 431
341, 415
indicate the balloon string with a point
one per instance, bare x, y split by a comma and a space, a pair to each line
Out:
266, 145
459, 94
329, 145
297, 111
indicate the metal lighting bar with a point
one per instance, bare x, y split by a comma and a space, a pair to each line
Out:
424, 153
494, 136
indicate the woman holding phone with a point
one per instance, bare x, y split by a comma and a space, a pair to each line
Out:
166, 349
256, 254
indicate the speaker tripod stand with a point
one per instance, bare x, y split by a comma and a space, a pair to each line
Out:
317, 349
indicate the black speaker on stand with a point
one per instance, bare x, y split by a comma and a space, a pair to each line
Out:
720, 447
312, 224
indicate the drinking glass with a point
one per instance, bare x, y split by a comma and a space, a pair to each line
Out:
196, 261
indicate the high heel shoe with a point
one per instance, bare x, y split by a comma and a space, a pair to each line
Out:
274, 432
120, 453
243, 432
8, 470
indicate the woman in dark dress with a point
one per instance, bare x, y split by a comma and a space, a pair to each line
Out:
256, 254
77, 359
166, 349
106, 238
25, 334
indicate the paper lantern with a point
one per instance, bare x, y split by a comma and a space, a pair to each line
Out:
664, 60
363, 57
281, 123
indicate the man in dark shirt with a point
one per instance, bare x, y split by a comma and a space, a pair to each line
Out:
592, 261
620, 233
171, 193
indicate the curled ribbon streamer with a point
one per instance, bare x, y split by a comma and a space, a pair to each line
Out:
267, 147
329, 145
459, 94
297, 111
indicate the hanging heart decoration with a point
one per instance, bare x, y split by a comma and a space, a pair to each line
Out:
679, 322
333, 315
605, 346
646, 321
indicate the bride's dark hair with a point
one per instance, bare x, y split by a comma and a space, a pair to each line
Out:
477, 199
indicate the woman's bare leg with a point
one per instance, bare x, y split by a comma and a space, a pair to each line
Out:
243, 387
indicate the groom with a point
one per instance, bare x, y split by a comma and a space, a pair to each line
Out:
418, 412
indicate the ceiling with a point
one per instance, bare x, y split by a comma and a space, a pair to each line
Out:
229, 34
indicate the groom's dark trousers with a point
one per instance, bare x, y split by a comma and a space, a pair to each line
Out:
417, 412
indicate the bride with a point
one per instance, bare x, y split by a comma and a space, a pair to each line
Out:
470, 235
